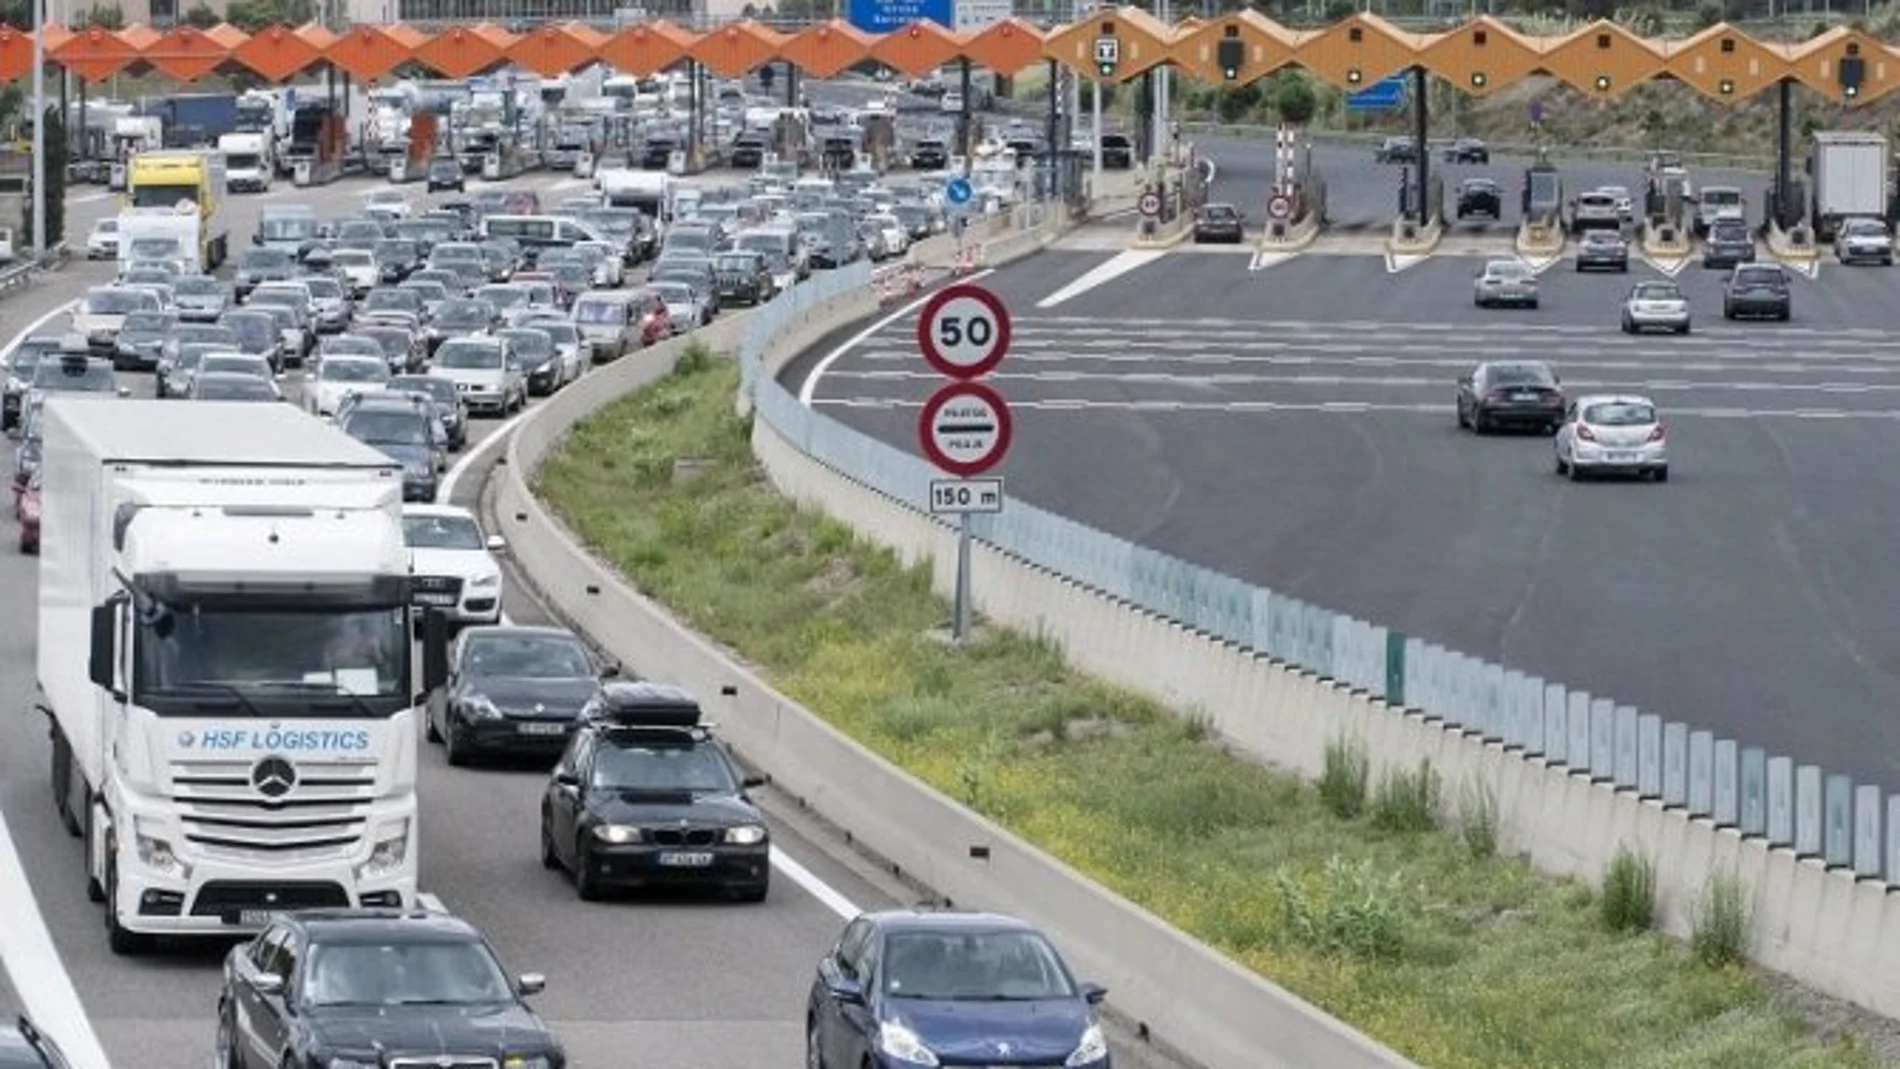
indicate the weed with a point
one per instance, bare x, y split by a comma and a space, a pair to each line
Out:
694, 360
1628, 903
1345, 777
1723, 920
1407, 802
1478, 819
1468, 962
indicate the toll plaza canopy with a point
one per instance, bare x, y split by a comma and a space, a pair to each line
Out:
1602, 59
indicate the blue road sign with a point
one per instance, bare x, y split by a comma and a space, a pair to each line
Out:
1388, 95
885, 16
957, 190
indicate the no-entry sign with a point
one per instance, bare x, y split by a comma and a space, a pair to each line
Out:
964, 332
964, 429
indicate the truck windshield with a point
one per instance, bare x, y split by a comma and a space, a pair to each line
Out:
261, 656
240, 161
288, 228
164, 196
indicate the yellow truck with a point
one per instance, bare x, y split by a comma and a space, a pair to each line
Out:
184, 180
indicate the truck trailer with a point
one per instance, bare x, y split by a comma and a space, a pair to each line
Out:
1850, 174
241, 736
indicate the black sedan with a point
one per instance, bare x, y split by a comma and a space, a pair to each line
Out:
1517, 393
1480, 196
1603, 250
1219, 223
514, 691
339, 987
1467, 150
1118, 152
445, 172
741, 276
646, 797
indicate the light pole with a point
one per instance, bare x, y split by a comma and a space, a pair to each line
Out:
39, 130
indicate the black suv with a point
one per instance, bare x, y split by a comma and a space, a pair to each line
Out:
377, 987
1480, 196
645, 796
405, 428
1118, 152
930, 155
741, 276
748, 151
445, 172
1467, 150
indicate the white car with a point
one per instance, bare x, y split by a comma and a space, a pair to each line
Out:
103, 242
101, 314
389, 203
610, 268
454, 566
339, 376
359, 266
1864, 241
1609, 434
896, 235
485, 371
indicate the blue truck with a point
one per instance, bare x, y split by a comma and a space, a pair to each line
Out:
193, 120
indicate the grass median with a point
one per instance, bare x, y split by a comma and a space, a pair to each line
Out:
1383, 899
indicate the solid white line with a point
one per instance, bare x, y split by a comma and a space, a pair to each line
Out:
1103, 273
88, 198
430, 902
33, 328
33, 965
817, 888
446, 492
810, 388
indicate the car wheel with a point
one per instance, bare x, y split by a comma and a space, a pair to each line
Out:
1684, 329
1661, 475
1728, 312
586, 884
429, 731
814, 1057
550, 860
456, 752
1628, 327
1785, 315
1576, 473
1480, 424
225, 1054
1462, 421
120, 939
1562, 468
1532, 303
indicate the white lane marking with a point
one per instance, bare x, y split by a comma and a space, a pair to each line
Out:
1540, 264
1263, 260
1102, 274
1077, 404
810, 388
34, 327
88, 198
1240, 378
33, 965
1396, 261
446, 493
830, 896
1810, 269
1668, 266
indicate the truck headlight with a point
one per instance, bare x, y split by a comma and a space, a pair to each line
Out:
389, 853
746, 835
617, 834
1093, 1047
155, 853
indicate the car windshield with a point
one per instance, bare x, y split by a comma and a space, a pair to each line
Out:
346, 369
117, 302
353, 258
295, 228
1222, 212
735, 263
1507, 270
323, 287
352, 345
1864, 228
465, 315
1520, 375
456, 254
1619, 414
468, 355
954, 966
1730, 232
1658, 291
1759, 276
458, 973
197, 286
234, 388
267, 260
388, 343
672, 292
1724, 198
236, 365
531, 345
154, 248
563, 332
502, 297
1602, 237
663, 769
209, 335
406, 299
254, 331
600, 312
761, 242
388, 428
74, 376
148, 323
526, 657
442, 391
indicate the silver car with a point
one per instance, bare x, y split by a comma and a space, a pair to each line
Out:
1607, 434
200, 298
1656, 305
1509, 283
1864, 241
485, 371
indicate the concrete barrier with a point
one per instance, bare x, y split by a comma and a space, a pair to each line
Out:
1539, 239
1410, 239
1179, 992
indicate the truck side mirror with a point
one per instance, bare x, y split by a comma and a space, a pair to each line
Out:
435, 649
103, 657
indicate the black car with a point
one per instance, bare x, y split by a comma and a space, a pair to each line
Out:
741, 276
1516, 393
1219, 223
656, 152
445, 172
23, 1046
1758, 290
142, 340
24, 364
1480, 196
404, 428
930, 155
645, 796
1467, 150
1118, 152
1728, 244
450, 409
1603, 250
517, 691
1396, 150
374, 987
748, 151
535, 349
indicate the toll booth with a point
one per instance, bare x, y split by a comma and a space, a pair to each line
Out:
1542, 197
1665, 194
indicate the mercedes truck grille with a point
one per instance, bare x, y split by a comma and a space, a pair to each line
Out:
219, 897
228, 804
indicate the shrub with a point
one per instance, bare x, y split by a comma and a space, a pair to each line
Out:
1628, 903
1722, 921
1407, 801
1345, 777
1348, 907
1478, 819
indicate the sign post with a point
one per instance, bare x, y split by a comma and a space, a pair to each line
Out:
965, 427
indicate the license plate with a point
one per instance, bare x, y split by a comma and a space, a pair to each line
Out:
1523, 397
541, 728
255, 918
1622, 458
686, 861
435, 599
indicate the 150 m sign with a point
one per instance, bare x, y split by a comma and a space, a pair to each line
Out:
964, 332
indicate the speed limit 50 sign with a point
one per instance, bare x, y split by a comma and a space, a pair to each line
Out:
964, 332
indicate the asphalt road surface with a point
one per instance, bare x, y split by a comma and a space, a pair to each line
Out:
1292, 423
688, 984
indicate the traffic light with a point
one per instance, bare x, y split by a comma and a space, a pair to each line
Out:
1852, 72
1108, 54
1231, 54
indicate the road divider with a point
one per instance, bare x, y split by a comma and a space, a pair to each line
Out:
1179, 992
34, 967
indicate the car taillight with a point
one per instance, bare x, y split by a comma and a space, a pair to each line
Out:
1584, 432
1658, 434
1494, 396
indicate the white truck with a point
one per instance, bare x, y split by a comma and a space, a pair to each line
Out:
241, 737
629, 187
149, 235
1850, 176
249, 162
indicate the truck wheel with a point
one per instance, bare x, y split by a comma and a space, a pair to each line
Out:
123, 941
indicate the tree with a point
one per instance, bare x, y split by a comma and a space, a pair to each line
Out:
254, 15
104, 16
55, 185
201, 16
1294, 101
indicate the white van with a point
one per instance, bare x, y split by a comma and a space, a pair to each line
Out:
539, 231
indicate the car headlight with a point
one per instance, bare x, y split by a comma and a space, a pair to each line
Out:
902, 1043
618, 834
1093, 1047
526, 1061
155, 853
746, 835
388, 854
479, 707
15, 385
483, 582
419, 469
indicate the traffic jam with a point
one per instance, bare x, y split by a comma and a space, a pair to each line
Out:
307, 386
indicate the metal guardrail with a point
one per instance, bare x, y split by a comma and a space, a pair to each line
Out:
1557, 153
20, 274
1848, 826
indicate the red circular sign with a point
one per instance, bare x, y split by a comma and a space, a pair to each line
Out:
964, 332
965, 429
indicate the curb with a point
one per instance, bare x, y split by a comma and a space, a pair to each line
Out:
1526, 245
1298, 239
1167, 242
1424, 245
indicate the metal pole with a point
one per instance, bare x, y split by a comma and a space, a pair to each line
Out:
962, 627
1158, 98
39, 130
964, 140
1095, 105
1421, 116
1055, 128
1787, 211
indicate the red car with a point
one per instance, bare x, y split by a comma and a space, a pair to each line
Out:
26, 506
649, 310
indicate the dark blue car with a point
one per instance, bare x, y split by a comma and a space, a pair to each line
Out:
908, 989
